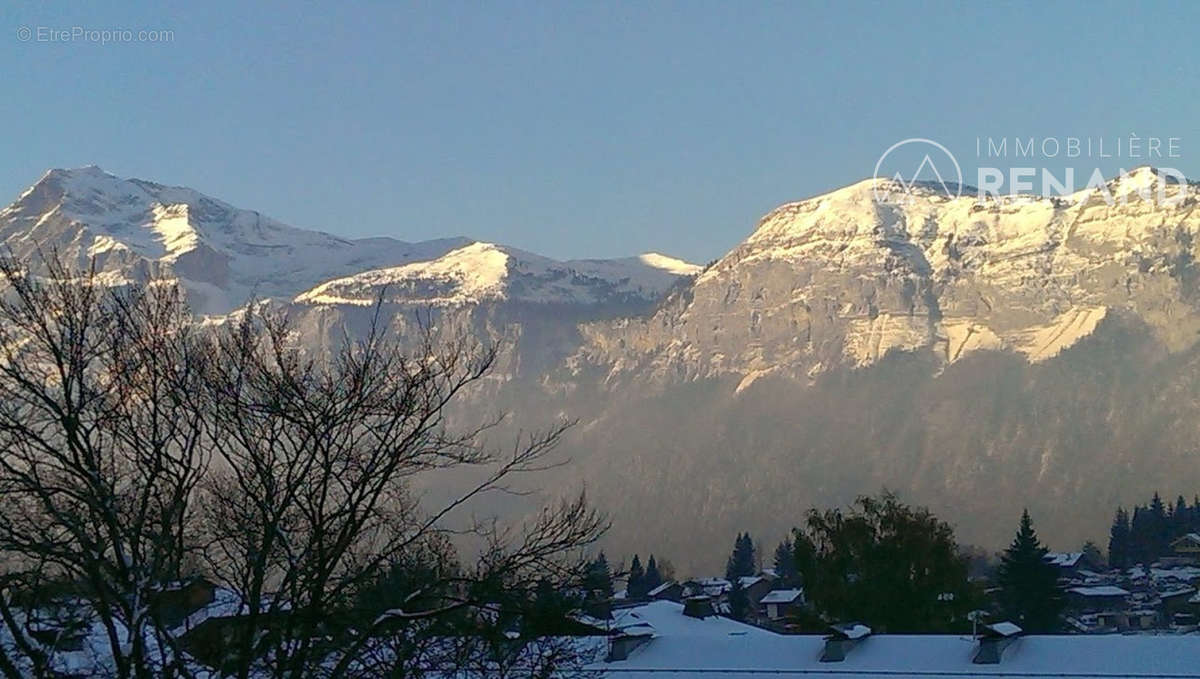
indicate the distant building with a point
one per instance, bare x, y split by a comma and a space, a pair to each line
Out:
1176, 600
715, 588
782, 603
1070, 564
756, 587
668, 591
1187, 548
1102, 598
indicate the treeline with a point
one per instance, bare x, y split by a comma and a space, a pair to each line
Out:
1145, 534
899, 569
639, 580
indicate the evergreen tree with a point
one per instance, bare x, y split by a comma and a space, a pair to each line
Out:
653, 578
1139, 537
741, 561
635, 586
1194, 515
804, 556
1118, 540
598, 582
785, 562
1159, 537
1029, 591
1181, 518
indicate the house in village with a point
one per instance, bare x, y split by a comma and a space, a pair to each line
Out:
1071, 564
782, 603
756, 587
1096, 599
668, 591
714, 588
1187, 548
175, 601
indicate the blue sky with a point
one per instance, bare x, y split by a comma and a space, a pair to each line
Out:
572, 128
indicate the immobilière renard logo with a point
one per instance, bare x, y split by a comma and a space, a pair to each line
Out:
1015, 167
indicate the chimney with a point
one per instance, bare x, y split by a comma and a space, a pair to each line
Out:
628, 640
841, 639
993, 639
698, 607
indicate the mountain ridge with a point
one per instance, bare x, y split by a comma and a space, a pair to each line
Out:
224, 255
843, 278
1043, 349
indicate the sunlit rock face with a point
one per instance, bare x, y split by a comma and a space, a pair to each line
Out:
841, 279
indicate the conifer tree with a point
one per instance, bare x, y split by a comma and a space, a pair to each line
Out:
741, 562
785, 562
635, 586
1159, 535
1181, 518
1029, 591
1139, 531
1118, 540
805, 557
653, 577
599, 583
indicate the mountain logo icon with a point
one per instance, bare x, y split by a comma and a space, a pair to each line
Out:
890, 185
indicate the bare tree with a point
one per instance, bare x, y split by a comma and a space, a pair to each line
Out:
138, 446
311, 495
100, 452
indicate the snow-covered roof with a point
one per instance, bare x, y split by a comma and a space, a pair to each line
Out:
1189, 537
589, 620
1005, 629
718, 648
712, 586
1176, 591
1183, 573
750, 580
852, 630
1064, 559
1102, 590
641, 629
661, 588
783, 596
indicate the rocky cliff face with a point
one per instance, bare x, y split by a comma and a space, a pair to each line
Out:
974, 356
842, 279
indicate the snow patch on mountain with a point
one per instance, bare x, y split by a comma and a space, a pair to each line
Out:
1039, 343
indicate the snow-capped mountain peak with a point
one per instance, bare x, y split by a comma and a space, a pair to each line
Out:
224, 255
486, 271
